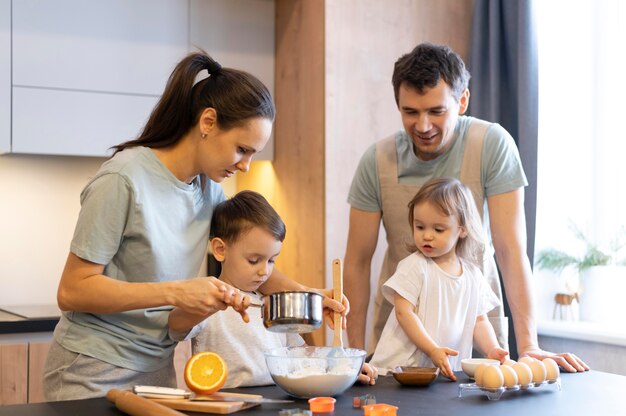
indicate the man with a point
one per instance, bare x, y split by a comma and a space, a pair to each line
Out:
430, 86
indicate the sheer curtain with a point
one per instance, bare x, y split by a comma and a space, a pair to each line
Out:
582, 144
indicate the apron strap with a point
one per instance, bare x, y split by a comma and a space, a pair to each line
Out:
387, 161
472, 159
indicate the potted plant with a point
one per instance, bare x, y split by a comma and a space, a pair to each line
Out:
601, 271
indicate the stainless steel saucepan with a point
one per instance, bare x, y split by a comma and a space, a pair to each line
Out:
297, 312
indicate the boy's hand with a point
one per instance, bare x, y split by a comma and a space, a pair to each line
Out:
439, 357
331, 306
498, 354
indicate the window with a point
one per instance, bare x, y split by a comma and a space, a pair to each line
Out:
582, 134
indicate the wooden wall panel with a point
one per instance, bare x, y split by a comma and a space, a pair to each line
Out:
299, 152
299, 138
13, 373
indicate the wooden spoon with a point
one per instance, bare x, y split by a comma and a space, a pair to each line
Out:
337, 350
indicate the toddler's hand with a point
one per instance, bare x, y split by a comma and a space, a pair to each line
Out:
498, 354
368, 374
439, 357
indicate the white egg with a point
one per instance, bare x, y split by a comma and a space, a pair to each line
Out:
478, 374
524, 374
527, 360
510, 376
552, 369
509, 362
492, 377
539, 371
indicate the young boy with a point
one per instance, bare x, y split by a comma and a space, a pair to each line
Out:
246, 237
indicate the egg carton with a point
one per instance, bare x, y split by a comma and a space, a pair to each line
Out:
495, 394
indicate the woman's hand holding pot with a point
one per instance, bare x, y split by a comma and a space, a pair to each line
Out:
198, 298
203, 296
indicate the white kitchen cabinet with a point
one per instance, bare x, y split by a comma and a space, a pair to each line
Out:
86, 73
75, 123
238, 34
115, 46
5, 76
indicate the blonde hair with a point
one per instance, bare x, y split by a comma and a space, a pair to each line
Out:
453, 198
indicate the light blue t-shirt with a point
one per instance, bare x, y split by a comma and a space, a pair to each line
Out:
144, 225
501, 168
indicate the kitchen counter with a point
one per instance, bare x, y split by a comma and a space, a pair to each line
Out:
28, 318
593, 392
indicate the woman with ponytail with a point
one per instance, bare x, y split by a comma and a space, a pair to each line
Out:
143, 229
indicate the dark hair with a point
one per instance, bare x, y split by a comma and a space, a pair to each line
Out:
247, 209
425, 65
453, 198
236, 96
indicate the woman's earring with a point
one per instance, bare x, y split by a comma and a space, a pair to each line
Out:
203, 135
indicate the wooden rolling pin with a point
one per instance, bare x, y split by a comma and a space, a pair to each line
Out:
135, 405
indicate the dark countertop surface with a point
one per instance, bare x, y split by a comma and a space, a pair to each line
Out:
592, 392
28, 318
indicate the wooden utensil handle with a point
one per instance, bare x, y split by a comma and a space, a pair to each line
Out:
135, 405
337, 295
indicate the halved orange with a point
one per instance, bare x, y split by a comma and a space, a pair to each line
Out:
205, 372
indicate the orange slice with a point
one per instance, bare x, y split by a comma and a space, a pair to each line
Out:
205, 373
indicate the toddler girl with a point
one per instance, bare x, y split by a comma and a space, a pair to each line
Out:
439, 294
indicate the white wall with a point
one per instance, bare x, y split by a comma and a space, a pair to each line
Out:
39, 204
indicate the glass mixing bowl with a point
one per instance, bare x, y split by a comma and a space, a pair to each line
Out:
306, 372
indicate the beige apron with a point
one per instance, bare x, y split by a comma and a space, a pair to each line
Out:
395, 200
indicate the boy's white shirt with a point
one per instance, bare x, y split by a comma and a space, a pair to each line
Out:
446, 305
241, 344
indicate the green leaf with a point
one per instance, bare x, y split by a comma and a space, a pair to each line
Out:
594, 257
555, 260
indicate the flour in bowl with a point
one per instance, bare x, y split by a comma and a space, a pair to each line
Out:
306, 372
314, 382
